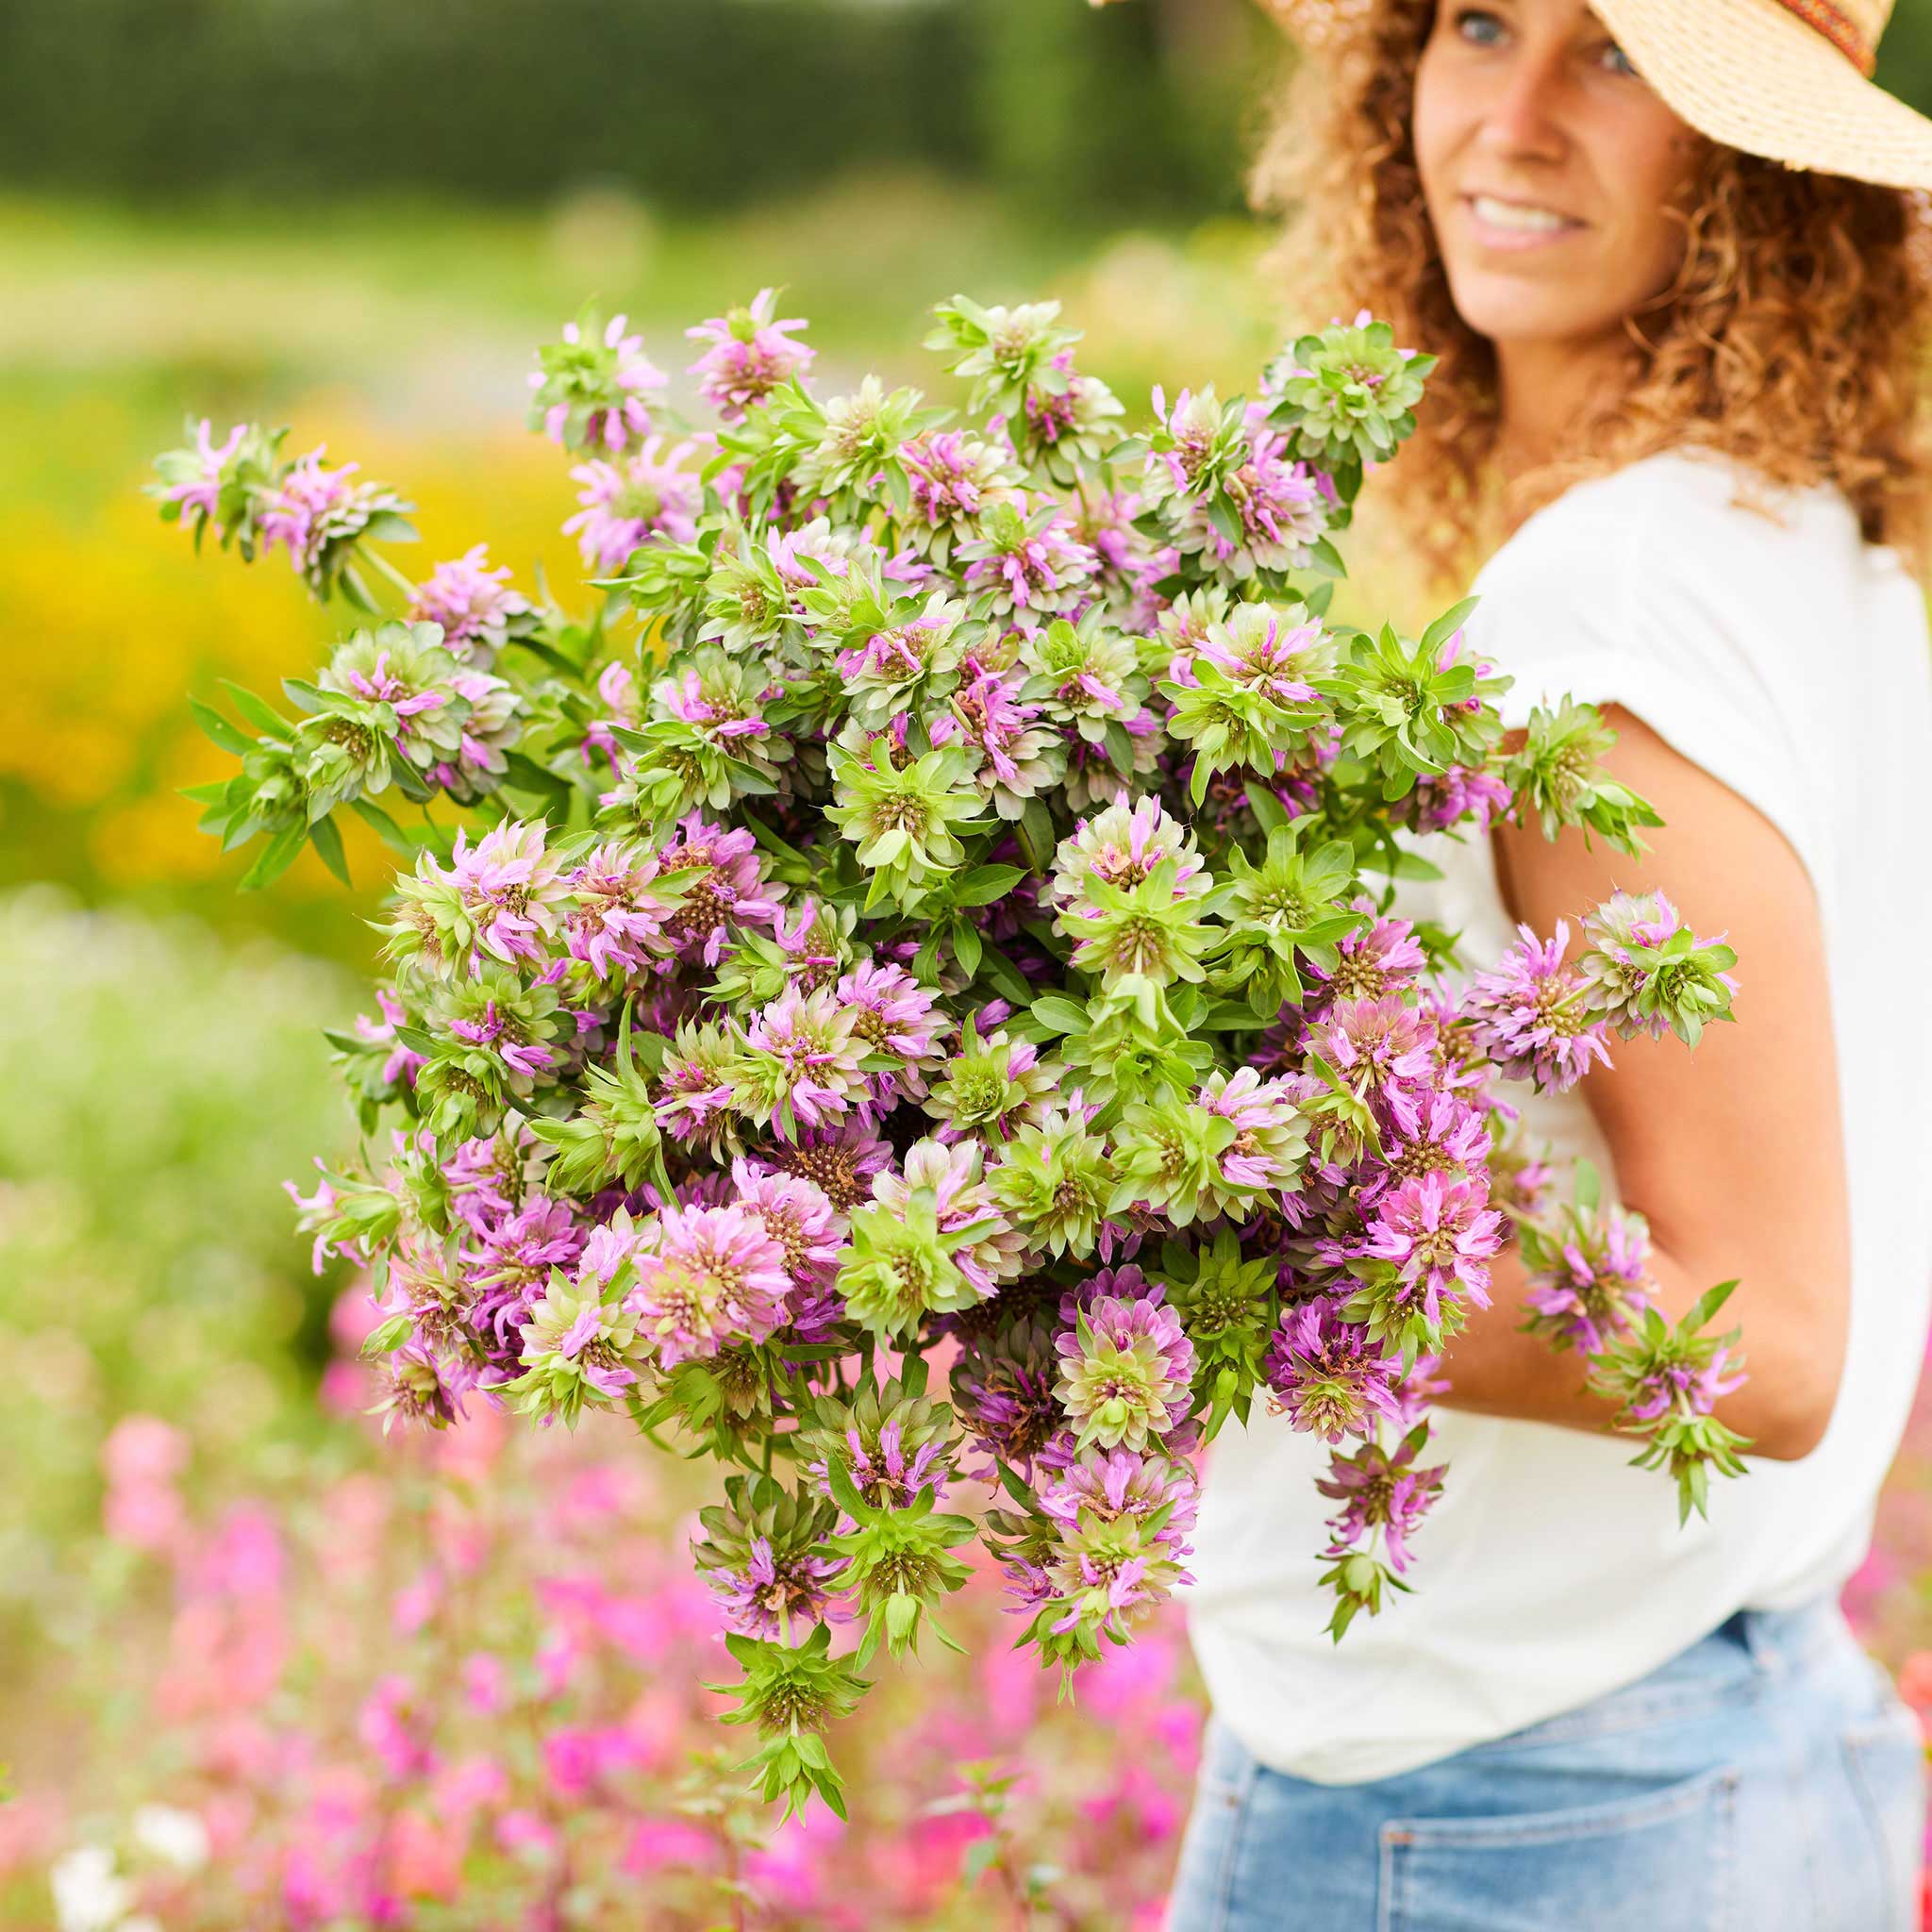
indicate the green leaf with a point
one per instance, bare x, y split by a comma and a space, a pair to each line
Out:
902, 1615
1448, 624
274, 859
1588, 1187
979, 1856
328, 842
385, 828
967, 947
1035, 831
259, 712
1707, 1304
986, 883
1008, 981
529, 776
229, 737
1058, 1015
1268, 812
355, 592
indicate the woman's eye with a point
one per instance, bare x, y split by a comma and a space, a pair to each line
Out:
1617, 60
1478, 25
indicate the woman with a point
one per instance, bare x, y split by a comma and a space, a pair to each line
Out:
1669, 255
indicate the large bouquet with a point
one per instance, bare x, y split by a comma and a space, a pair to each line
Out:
931, 912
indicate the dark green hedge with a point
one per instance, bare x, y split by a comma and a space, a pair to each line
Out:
694, 102
1904, 54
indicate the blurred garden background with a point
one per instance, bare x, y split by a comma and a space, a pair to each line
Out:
453, 1688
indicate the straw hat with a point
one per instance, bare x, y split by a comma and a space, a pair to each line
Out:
1789, 80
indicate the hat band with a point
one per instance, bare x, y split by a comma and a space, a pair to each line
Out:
1838, 28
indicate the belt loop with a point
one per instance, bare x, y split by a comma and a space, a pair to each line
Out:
1760, 1641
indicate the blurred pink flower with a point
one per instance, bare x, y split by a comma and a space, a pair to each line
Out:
525, 1831
1011, 1683
1138, 1675
353, 1316
144, 1449
347, 1389
486, 1683
790, 1870
32, 1828
396, 1723
660, 1842
426, 1856
144, 1515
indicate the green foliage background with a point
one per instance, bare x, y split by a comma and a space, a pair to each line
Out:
692, 103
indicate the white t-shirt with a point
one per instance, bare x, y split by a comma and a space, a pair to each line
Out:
1793, 663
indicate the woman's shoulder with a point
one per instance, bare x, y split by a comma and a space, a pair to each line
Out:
1680, 515
1663, 587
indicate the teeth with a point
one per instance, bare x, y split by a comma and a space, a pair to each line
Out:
1504, 214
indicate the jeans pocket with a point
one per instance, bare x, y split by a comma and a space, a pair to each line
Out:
1886, 1757
1658, 1862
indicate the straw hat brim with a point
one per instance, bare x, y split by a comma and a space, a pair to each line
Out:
1750, 73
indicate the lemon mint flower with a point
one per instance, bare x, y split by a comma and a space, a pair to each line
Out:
589, 391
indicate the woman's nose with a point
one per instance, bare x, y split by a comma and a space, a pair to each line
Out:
1524, 115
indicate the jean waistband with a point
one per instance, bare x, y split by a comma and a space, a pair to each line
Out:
1781, 1639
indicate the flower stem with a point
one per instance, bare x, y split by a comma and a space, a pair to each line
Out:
383, 567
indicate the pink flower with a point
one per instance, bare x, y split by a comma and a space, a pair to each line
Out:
952, 474
400, 1064
809, 1051
1684, 1388
628, 504
778, 1595
750, 356
1531, 1014
893, 1014
1038, 565
1380, 1491
397, 1725
144, 1449
620, 375
617, 919
1445, 799
473, 604
202, 493
1597, 1283
298, 514
726, 887
658, 1842
1441, 1234
508, 886
800, 1217
716, 1278
1385, 1051
486, 1683
524, 1831
1329, 1378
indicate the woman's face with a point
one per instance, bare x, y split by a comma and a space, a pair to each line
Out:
1546, 162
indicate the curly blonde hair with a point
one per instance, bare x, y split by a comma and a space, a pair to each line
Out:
1793, 338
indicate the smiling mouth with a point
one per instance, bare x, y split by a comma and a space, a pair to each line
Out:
1515, 218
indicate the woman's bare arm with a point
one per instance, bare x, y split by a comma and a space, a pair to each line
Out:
1734, 1152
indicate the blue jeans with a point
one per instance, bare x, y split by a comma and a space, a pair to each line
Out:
1767, 1779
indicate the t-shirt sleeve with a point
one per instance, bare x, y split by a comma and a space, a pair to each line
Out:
1650, 607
